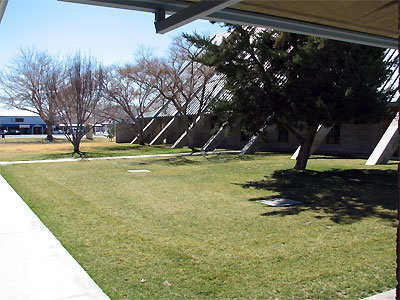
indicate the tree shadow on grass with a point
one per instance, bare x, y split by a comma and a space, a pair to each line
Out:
34, 141
115, 148
316, 157
208, 158
103, 152
176, 161
71, 154
125, 147
346, 196
221, 158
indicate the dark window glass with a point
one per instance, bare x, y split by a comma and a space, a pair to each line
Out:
20, 120
333, 137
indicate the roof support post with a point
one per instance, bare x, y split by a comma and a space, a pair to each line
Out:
195, 11
322, 132
251, 146
162, 134
386, 146
159, 15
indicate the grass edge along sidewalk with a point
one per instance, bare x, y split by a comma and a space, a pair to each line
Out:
49, 270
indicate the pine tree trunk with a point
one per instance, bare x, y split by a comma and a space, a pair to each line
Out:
305, 148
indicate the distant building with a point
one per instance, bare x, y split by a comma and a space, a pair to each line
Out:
97, 129
21, 122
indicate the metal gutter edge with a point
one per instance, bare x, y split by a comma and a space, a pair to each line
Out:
229, 15
3, 4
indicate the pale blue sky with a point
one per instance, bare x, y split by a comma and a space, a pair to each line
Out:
111, 35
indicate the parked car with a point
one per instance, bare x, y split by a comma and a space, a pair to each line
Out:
13, 131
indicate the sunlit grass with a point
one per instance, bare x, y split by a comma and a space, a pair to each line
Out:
193, 222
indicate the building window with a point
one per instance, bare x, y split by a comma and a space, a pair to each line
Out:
19, 120
333, 137
283, 135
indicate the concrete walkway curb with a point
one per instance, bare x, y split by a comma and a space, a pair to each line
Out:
390, 295
6, 163
34, 264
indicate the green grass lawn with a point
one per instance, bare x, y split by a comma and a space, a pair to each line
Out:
192, 228
12, 149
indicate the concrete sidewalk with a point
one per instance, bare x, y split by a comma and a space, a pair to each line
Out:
34, 264
390, 295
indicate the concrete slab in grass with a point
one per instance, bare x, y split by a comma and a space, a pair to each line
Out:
279, 202
139, 171
390, 295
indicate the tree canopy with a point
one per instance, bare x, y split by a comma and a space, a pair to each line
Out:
295, 81
129, 89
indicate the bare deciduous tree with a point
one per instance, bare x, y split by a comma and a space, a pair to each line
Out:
29, 84
79, 97
128, 88
183, 81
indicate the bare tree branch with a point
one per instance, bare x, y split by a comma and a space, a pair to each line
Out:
79, 98
128, 88
181, 80
29, 84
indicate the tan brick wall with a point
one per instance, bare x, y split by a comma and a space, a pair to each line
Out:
123, 133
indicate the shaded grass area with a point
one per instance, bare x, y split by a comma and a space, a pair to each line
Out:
39, 149
193, 222
345, 195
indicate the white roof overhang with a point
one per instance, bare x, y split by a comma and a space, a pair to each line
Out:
370, 22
